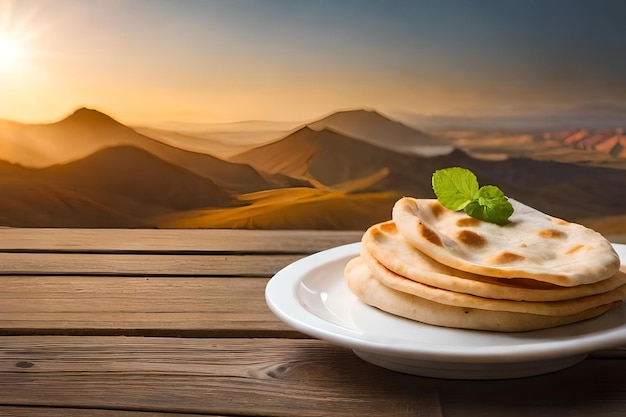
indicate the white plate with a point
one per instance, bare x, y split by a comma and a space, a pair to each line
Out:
311, 296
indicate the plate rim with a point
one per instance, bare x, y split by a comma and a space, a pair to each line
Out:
312, 325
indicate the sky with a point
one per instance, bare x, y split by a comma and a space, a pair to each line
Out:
204, 61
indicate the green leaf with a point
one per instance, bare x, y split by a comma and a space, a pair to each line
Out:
491, 206
455, 187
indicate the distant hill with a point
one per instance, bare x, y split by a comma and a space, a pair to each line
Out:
80, 134
30, 200
376, 129
229, 139
603, 148
323, 156
115, 187
610, 141
565, 190
343, 171
87, 131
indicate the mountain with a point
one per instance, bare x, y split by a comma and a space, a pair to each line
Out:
90, 118
115, 187
87, 131
36, 203
80, 134
132, 179
343, 171
564, 190
324, 156
376, 129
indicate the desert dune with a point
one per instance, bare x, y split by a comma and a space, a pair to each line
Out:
291, 208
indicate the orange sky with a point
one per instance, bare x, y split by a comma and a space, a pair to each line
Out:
149, 61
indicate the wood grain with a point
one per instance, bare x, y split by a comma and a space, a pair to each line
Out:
73, 302
83, 412
595, 387
180, 306
142, 265
172, 240
277, 377
264, 377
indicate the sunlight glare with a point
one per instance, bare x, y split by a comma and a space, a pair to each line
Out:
16, 35
10, 53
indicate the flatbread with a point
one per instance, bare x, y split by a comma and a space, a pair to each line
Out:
533, 245
370, 291
545, 308
383, 243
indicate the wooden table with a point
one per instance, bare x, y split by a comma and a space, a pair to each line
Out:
138, 323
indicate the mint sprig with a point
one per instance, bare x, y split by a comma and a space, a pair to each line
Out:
457, 189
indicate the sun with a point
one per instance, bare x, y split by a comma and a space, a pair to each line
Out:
11, 53
17, 33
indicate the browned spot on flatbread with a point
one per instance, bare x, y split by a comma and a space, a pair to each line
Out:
575, 249
561, 222
388, 227
505, 258
429, 235
551, 234
471, 238
468, 222
436, 208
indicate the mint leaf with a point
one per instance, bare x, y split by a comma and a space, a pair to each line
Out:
455, 187
491, 206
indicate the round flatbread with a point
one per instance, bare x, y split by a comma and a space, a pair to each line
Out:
545, 308
533, 245
370, 291
384, 244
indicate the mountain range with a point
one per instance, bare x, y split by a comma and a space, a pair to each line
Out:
342, 171
116, 187
566, 190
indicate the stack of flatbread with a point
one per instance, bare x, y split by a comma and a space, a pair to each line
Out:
445, 268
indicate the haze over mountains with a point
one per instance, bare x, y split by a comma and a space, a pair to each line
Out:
592, 116
342, 171
371, 127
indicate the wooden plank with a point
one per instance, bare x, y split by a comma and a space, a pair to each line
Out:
595, 387
83, 412
142, 264
146, 306
138, 306
169, 240
278, 378
261, 377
